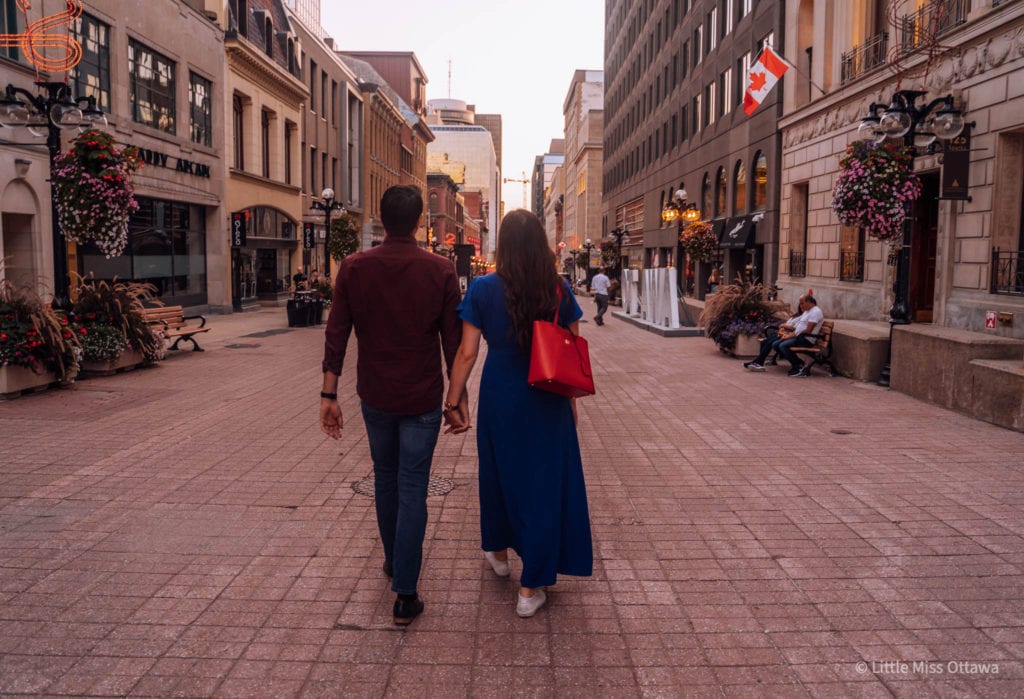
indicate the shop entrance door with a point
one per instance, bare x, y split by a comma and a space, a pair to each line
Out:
923, 248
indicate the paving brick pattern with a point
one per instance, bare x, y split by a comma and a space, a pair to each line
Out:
186, 530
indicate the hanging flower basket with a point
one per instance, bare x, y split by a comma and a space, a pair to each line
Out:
344, 239
875, 184
93, 191
699, 241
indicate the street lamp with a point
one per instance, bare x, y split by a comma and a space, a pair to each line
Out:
679, 210
53, 110
327, 206
618, 234
903, 118
588, 246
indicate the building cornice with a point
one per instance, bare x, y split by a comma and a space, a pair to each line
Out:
252, 65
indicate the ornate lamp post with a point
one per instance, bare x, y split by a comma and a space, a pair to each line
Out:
904, 118
682, 212
327, 205
49, 113
588, 246
618, 234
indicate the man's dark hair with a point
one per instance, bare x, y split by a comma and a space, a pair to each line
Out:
810, 299
400, 209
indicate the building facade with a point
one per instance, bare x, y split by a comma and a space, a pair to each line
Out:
161, 95
675, 74
543, 169
583, 112
266, 98
965, 253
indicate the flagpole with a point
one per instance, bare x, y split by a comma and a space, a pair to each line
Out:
791, 65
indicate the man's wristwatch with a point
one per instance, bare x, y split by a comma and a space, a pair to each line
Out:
329, 396
447, 407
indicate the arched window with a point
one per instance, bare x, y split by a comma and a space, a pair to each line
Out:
705, 197
739, 192
721, 186
760, 182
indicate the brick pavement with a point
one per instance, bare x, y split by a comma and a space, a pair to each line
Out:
186, 530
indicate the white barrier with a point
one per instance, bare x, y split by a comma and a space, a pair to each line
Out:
660, 303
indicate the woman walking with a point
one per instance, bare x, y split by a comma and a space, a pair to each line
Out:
532, 496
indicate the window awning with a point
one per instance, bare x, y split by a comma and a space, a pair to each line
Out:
738, 232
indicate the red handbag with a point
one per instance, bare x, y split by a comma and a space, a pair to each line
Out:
559, 360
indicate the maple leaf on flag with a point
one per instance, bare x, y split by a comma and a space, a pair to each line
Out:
757, 81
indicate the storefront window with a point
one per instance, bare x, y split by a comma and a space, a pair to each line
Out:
166, 248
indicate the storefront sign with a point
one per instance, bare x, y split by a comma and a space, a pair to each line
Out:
239, 229
956, 166
308, 236
158, 159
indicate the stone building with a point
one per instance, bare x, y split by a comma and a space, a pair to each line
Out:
965, 258
675, 74
583, 111
265, 99
164, 96
543, 169
446, 212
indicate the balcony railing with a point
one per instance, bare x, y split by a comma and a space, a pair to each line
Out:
864, 58
1008, 272
797, 264
930, 22
851, 266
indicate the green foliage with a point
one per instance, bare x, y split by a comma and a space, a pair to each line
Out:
344, 238
740, 308
34, 336
118, 305
102, 343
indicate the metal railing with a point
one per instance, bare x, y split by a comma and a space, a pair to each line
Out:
931, 21
797, 264
1007, 272
851, 266
864, 58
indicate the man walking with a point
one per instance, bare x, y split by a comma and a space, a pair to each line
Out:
401, 301
599, 288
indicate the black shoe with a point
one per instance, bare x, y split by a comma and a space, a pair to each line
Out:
407, 608
771, 361
795, 371
388, 569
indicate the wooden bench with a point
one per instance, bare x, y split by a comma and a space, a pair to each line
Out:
170, 322
821, 352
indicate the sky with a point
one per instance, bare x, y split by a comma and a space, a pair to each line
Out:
510, 58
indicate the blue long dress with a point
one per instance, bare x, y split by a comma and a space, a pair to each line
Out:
532, 495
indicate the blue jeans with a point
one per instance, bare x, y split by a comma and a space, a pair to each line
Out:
789, 355
402, 447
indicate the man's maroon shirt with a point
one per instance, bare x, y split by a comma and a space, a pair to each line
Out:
401, 301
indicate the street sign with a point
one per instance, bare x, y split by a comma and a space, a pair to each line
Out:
990, 320
308, 236
238, 229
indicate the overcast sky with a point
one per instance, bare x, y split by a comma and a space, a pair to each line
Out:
508, 58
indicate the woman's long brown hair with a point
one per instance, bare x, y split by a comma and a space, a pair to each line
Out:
527, 266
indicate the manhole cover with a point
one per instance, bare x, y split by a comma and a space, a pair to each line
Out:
269, 333
242, 345
840, 431
436, 486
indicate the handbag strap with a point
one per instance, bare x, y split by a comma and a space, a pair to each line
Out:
558, 306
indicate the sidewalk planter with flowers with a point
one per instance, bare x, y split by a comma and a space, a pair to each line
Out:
874, 187
92, 191
738, 315
38, 347
113, 334
699, 242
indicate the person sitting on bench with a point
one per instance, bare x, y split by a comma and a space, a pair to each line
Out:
804, 334
772, 339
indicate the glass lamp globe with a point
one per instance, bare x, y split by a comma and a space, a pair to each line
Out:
65, 115
948, 124
894, 123
13, 113
95, 118
328, 193
869, 130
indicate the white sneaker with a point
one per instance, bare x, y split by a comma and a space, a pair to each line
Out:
528, 606
501, 568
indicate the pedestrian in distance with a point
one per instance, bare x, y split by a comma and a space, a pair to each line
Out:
401, 300
299, 279
599, 287
533, 499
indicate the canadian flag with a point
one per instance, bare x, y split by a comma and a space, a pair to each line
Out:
765, 72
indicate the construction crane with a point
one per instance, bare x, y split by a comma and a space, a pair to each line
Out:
525, 183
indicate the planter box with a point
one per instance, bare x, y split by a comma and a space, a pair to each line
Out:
129, 359
746, 346
16, 380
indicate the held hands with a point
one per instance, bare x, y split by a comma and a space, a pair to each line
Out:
456, 416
